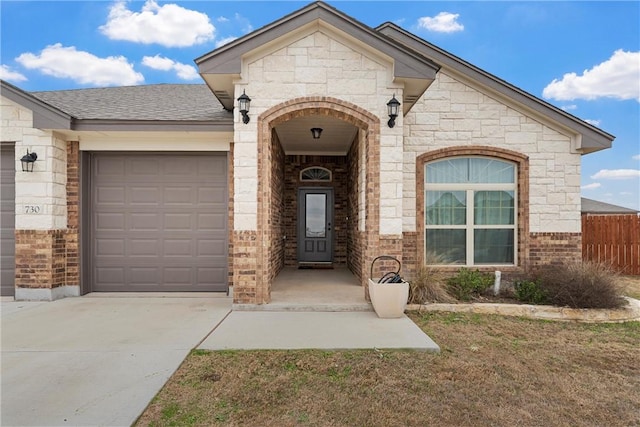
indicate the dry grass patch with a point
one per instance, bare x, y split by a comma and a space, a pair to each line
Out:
630, 286
492, 371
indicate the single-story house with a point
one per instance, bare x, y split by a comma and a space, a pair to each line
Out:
357, 142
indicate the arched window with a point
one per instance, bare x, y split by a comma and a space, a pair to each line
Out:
470, 211
315, 174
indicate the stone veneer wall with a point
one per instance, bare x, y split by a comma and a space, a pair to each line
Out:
455, 118
338, 166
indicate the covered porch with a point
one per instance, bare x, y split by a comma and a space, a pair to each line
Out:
313, 289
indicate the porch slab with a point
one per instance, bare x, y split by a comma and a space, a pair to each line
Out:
333, 289
269, 330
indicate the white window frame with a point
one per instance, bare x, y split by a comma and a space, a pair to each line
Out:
470, 189
302, 179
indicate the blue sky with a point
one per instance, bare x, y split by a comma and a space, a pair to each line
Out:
583, 57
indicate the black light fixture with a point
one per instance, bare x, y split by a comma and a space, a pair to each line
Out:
28, 160
243, 106
316, 132
392, 107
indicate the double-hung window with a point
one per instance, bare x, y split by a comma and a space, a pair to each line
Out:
470, 211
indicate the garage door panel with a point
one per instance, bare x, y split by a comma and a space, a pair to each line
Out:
145, 275
110, 221
211, 222
181, 222
211, 275
107, 276
110, 166
143, 166
144, 247
111, 195
109, 247
166, 232
212, 195
178, 248
144, 221
178, 195
148, 195
210, 247
7, 219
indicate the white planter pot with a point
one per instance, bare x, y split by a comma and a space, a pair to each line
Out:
389, 299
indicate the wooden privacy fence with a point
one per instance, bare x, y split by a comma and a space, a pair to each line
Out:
614, 240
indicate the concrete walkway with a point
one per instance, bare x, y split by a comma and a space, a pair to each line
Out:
100, 359
269, 330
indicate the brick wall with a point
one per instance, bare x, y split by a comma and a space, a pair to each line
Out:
554, 248
40, 259
278, 209
354, 235
73, 215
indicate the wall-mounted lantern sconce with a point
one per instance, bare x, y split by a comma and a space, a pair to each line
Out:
27, 161
316, 132
243, 105
392, 107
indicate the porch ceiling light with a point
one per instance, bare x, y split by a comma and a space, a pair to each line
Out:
316, 132
392, 107
243, 105
28, 160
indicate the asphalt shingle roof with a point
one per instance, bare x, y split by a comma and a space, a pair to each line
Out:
597, 207
150, 102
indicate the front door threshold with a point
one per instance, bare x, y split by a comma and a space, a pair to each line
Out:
318, 265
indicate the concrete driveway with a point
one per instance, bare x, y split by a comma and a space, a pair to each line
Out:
96, 360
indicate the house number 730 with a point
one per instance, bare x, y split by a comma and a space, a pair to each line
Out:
32, 209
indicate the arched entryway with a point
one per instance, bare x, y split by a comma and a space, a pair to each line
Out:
279, 165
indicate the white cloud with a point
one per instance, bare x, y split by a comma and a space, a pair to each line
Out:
82, 67
6, 73
618, 77
224, 41
636, 157
593, 122
168, 25
444, 22
591, 186
617, 174
222, 19
183, 71
570, 107
626, 193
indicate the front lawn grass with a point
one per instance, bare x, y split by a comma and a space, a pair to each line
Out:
492, 370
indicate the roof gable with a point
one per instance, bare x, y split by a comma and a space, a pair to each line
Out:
589, 138
220, 67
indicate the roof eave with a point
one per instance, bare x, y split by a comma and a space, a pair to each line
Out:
108, 125
592, 138
45, 116
227, 60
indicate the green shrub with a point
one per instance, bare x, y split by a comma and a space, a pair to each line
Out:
530, 291
468, 283
582, 285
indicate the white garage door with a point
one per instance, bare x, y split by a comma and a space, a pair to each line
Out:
159, 222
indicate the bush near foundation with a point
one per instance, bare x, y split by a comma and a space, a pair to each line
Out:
530, 291
581, 285
469, 283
